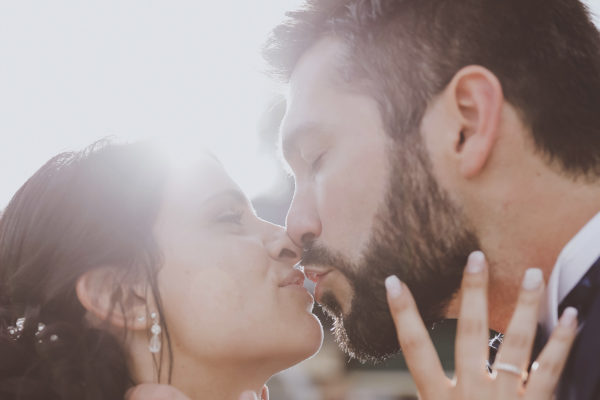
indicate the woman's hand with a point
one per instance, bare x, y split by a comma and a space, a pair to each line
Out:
249, 395
472, 381
154, 391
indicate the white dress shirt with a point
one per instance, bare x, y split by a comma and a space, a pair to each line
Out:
571, 265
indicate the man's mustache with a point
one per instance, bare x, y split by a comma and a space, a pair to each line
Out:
315, 254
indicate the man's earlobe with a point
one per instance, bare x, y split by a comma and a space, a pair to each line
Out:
478, 98
107, 301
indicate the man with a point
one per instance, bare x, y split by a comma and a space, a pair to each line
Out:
418, 131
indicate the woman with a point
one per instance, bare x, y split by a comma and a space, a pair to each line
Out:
115, 271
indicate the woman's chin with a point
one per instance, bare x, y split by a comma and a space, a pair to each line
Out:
318, 339
309, 342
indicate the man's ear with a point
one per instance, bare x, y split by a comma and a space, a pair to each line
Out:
99, 288
476, 94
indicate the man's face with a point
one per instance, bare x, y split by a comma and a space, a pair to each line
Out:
365, 207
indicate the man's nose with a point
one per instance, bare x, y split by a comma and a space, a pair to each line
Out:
302, 222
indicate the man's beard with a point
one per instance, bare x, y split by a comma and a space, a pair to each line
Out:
421, 236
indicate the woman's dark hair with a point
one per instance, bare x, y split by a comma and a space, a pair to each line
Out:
80, 211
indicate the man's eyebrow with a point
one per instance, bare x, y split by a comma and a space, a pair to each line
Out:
289, 140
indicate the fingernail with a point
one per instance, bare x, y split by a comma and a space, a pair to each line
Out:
393, 286
248, 395
533, 279
128, 393
568, 317
475, 262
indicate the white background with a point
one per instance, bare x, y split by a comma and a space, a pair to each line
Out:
187, 71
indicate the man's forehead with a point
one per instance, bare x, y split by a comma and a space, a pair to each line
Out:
313, 79
319, 65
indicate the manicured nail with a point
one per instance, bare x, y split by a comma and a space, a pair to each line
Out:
568, 317
533, 279
393, 286
475, 262
248, 395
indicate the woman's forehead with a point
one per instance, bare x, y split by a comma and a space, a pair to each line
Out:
201, 178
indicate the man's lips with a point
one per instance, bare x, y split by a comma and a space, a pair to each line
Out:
315, 275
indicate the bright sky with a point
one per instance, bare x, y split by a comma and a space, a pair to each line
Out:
187, 71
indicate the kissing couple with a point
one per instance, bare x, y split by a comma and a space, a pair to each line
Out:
446, 156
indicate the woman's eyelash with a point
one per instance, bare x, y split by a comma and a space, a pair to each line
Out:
231, 217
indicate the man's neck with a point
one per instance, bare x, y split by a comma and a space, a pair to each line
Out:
524, 223
530, 231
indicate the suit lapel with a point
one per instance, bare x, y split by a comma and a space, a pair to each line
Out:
582, 372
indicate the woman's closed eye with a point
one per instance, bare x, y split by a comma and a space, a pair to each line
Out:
233, 217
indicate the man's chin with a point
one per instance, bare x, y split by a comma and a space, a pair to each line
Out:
364, 334
330, 305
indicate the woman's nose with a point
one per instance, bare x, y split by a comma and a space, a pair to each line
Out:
281, 247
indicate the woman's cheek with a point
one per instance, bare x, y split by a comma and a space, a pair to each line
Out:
208, 297
217, 289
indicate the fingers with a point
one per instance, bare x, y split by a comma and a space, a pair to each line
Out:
472, 329
419, 353
518, 341
151, 391
547, 369
248, 395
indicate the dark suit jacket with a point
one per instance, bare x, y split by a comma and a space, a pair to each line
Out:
581, 376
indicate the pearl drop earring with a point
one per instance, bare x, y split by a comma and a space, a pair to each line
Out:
155, 329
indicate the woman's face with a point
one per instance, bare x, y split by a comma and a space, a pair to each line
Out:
229, 290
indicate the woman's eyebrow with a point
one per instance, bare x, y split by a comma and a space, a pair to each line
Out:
235, 194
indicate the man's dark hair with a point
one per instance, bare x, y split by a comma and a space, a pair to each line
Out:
546, 54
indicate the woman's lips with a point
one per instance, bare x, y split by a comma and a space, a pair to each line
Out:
295, 277
295, 281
